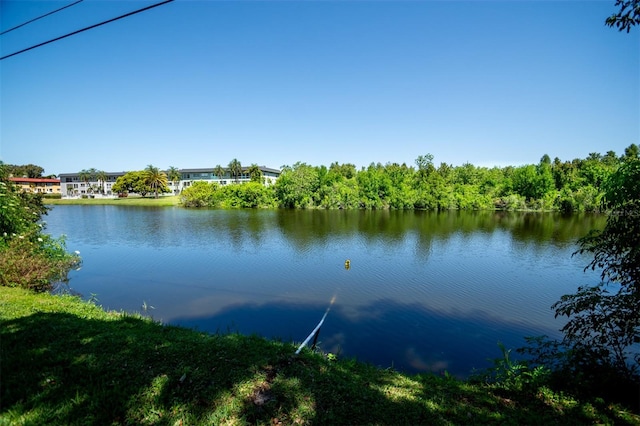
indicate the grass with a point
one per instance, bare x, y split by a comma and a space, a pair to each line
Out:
66, 361
163, 201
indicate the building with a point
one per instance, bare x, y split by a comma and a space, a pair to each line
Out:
189, 176
74, 184
37, 185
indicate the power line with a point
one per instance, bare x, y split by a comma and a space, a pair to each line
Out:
87, 28
40, 17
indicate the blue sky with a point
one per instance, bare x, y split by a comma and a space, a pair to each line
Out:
198, 83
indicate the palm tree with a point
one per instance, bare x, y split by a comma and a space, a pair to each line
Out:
86, 176
235, 169
92, 176
174, 176
255, 173
156, 179
219, 172
102, 178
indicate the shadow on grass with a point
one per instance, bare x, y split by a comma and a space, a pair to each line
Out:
59, 368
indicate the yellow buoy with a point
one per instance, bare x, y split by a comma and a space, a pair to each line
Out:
347, 264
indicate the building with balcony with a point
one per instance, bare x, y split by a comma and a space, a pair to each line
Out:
73, 184
189, 176
37, 185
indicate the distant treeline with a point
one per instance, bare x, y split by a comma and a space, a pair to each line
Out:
568, 186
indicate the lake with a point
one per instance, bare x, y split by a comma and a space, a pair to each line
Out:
425, 291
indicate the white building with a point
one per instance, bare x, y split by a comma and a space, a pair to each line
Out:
75, 185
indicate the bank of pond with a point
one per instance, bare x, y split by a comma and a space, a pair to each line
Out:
68, 361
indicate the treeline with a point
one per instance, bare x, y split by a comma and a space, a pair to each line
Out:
25, 170
567, 186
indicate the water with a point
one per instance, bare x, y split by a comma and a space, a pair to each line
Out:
425, 292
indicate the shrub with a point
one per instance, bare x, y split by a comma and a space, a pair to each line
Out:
28, 257
35, 262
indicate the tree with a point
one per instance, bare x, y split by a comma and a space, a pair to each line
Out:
219, 171
174, 176
200, 194
255, 174
156, 179
425, 166
86, 176
102, 177
132, 182
610, 159
605, 318
533, 182
297, 185
631, 152
28, 170
545, 159
17, 207
627, 16
235, 169
346, 170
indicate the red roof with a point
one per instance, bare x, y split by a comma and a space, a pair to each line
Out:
34, 180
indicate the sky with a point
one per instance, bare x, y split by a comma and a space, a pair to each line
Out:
194, 84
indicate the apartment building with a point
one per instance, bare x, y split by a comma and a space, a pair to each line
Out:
75, 185
37, 185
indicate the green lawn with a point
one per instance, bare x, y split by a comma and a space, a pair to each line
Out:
65, 361
163, 201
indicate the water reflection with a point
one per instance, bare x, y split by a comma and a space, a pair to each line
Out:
424, 289
418, 339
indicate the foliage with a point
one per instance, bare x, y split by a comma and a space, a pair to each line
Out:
532, 182
19, 211
27, 170
173, 175
515, 375
156, 180
87, 176
296, 186
255, 174
245, 195
151, 180
235, 169
219, 171
35, 261
131, 182
568, 186
101, 177
627, 16
199, 194
28, 257
579, 370
605, 317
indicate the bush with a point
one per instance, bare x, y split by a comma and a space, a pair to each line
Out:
200, 194
28, 257
35, 262
52, 196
